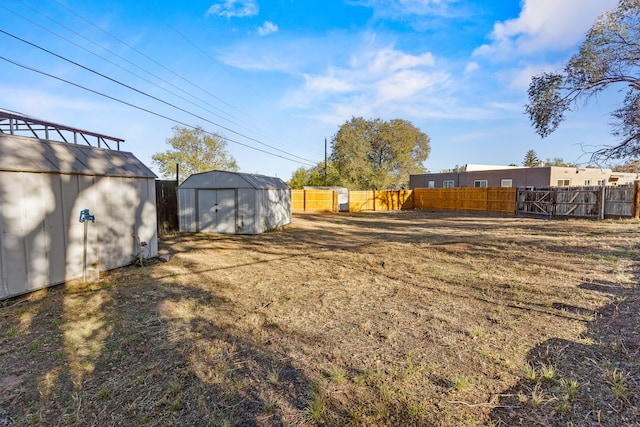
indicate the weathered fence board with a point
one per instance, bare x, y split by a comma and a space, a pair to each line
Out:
577, 202
167, 206
619, 202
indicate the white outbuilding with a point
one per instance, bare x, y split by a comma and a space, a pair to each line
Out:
233, 203
47, 187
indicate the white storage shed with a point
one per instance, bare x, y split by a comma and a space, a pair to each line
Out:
233, 203
44, 186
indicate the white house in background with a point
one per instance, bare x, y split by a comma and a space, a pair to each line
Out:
233, 203
44, 186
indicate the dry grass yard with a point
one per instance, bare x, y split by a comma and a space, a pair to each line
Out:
374, 319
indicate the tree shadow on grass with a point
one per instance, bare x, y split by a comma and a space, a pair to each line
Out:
593, 381
111, 354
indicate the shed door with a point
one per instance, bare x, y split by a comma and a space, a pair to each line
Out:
217, 211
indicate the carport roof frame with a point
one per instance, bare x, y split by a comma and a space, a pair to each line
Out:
13, 123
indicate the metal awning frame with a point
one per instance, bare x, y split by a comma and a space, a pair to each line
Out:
17, 124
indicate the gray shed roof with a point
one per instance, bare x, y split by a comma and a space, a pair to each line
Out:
22, 154
226, 179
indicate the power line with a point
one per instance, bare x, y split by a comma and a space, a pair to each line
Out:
123, 59
147, 95
144, 55
198, 48
255, 128
26, 67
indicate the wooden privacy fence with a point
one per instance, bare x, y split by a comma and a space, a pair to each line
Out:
167, 206
496, 200
380, 200
373, 200
314, 201
579, 202
499, 200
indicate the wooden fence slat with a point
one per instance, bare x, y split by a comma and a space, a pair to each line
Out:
595, 202
167, 206
498, 200
314, 201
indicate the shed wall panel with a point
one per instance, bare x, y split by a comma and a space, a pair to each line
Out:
56, 227
279, 207
187, 209
261, 206
125, 210
42, 240
247, 211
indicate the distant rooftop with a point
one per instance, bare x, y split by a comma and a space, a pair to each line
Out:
472, 167
12, 123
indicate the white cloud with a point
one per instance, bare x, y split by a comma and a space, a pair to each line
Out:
234, 8
408, 84
369, 78
267, 28
471, 67
383, 82
328, 83
390, 60
390, 73
543, 25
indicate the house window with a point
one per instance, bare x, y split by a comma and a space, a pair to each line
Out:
506, 183
480, 183
564, 182
448, 184
587, 181
431, 184
601, 182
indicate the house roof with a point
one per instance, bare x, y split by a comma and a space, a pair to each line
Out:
23, 154
226, 179
470, 167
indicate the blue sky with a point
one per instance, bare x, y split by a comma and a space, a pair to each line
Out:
281, 75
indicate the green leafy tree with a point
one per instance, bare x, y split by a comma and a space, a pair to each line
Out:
559, 161
632, 166
314, 176
608, 57
195, 151
531, 159
377, 154
456, 168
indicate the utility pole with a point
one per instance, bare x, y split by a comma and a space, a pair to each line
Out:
325, 161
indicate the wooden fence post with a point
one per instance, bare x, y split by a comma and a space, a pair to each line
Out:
603, 197
636, 200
